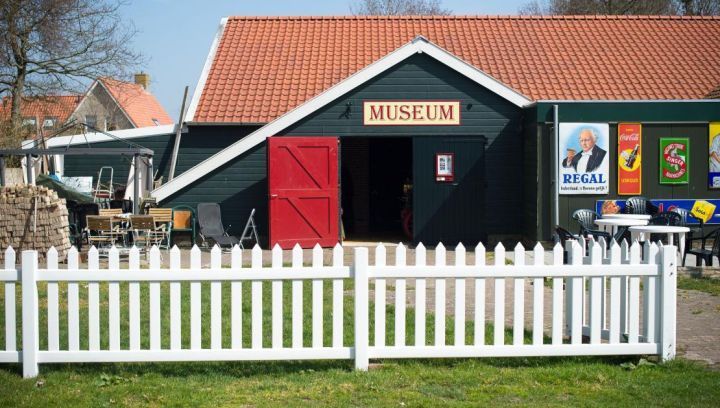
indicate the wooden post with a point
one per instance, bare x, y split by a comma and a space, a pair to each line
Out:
361, 309
30, 337
136, 185
178, 135
668, 273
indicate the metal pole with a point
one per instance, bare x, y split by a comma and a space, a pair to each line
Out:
149, 173
178, 135
556, 165
136, 184
28, 169
2, 171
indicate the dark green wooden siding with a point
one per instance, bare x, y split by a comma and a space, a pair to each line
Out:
483, 114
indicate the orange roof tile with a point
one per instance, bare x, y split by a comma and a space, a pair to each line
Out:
57, 106
265, 66
139, 104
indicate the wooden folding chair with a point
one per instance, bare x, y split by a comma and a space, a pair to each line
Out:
163, 218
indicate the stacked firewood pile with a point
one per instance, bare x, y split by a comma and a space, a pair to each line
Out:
33, 217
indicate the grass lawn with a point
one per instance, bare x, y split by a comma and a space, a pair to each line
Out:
519, 381
703, 284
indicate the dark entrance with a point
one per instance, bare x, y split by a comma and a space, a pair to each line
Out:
373, 173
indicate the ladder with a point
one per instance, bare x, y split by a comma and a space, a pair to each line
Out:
99, 193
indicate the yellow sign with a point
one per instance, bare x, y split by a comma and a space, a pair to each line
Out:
411, 113
703, 210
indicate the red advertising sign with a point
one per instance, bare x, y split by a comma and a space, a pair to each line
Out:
629, 154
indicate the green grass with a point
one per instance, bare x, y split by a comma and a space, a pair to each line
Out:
465, 382
702, 284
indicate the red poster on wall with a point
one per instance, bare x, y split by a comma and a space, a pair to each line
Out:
629, 155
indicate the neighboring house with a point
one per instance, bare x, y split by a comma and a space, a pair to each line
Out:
109, 104
43, 114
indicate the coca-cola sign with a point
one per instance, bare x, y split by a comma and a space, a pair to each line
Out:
674, 159
629, 159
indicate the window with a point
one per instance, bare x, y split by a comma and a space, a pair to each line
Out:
49, 122
29, 122
156, 122
91, 121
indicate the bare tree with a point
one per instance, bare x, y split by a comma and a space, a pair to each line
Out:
398, 8
701, 7
610, 7
49, 46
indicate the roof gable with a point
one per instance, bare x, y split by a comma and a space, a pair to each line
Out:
419, 45
139, 105
261, 67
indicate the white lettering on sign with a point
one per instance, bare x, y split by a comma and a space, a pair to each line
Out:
415, 113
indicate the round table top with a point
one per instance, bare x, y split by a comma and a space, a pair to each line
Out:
670, 229
628, 216
620, 222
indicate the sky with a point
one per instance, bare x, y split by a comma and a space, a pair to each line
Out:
175, 35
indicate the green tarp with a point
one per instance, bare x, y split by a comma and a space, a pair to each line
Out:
63, 191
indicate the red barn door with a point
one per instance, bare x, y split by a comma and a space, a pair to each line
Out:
303, 187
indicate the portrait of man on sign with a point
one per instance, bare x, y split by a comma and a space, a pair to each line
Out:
583, 161
590, 157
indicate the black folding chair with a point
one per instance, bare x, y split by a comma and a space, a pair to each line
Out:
211, 226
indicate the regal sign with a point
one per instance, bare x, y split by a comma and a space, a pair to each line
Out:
411, 113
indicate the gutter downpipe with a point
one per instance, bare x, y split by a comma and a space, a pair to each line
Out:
556, 165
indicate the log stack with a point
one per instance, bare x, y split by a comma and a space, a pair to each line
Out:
33, 217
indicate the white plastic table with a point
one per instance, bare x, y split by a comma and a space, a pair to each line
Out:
640, 232
611, 224
627, 216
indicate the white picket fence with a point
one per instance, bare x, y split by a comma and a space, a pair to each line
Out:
608, 311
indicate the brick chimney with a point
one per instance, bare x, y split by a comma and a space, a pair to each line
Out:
143, 80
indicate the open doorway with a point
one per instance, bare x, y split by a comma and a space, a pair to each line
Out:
376, 186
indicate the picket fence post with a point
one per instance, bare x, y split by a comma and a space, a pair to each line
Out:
668, 271
30, 336
361, 309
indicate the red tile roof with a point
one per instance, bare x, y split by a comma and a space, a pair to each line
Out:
265, 66
714, 94
57, 106
139, 104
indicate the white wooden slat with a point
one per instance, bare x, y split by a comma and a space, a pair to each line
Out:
215, 301
519, 299
650, 294
94, 301
596, 297
380, 307
538, 296
277, 303
133, 301
297, 299
614, 324
576, 297
10, 311
557, 298
420, 299
479, 318
175, 301
52, 308
499, 322
400, 285
114, 302
624, 259
634, 297
256, 299
317, 299
236, 299
459, 298
440, 289
338, 258
155, 301
195, 302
